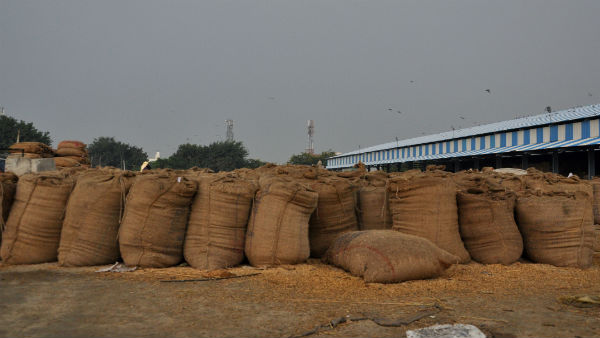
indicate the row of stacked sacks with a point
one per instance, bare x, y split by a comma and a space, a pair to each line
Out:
71, 154
68, 154
385, 228
31, 150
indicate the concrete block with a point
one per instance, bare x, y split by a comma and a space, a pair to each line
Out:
20, 165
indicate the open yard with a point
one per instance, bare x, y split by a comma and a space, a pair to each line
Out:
522, 299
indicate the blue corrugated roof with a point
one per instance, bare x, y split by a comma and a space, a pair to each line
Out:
523, 122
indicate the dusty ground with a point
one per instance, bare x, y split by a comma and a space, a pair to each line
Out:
504, 301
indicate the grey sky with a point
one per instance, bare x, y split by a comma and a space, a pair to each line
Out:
160, 73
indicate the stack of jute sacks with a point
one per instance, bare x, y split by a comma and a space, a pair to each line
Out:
31, 150
382, 227
71, 154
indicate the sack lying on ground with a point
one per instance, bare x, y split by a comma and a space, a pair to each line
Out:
387, 256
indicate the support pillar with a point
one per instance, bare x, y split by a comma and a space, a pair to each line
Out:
498, 162
555, 162
476, 164
591, 163
525, 162
456, 166
387, 167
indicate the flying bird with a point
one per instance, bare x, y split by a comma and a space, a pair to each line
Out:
412, 81
590, 94
489, 91
399, 112
462, 118
271, 98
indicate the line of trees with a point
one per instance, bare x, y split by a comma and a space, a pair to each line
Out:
106, 151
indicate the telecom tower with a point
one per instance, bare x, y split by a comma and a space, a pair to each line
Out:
311, 132
229, 124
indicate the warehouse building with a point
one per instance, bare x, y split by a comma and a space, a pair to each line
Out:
562, 142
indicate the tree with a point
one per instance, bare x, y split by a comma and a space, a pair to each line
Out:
310, 159
218, 156
106, 151
10, 127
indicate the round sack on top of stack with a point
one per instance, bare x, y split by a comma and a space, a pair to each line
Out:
71, 154
30, 150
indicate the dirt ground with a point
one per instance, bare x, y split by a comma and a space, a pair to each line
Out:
522, 299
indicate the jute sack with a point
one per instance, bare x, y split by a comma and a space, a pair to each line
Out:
30, 147
80, 152
32, 232
8, 186
216, 232
596, 199
65, 162
536, 180
71, 144
373, 204
557, 228
387, 256
424, 205
156, 214
335, 213
488, 228
92, 219
278, 228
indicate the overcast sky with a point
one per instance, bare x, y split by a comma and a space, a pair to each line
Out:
160, 73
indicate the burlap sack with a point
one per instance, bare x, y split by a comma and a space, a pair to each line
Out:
65, 162
424, 205
387, 256
373, 203
278, 227
488, 228
8, 187
30, 147
335, 213
79, 152
595, 183
156, 214
71, 144
32, 232
557, 228
92, 219
216, 232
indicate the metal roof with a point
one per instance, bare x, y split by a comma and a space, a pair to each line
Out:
570, 114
